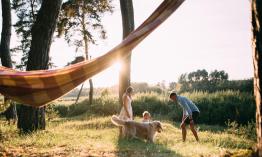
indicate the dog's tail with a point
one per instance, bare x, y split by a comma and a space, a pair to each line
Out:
118, 122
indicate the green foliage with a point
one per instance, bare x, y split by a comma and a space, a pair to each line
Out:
25, 11
51, 113
78, 20
216, 76
62, 110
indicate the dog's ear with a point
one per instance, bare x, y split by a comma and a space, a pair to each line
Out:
160, 125
151, 125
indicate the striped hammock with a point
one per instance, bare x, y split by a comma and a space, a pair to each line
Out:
38, 88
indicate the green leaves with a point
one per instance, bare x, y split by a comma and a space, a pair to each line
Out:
80, 22
25, 11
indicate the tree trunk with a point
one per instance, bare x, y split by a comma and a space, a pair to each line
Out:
30, 118
91, 91
128, 26
6, 34
5, 38
85, 37
257, 60
91, 87
78, 95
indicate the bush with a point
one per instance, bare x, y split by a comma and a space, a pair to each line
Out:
104, 105
51, 113
219, 107
62, 110
246, 131
151, 102
72, 110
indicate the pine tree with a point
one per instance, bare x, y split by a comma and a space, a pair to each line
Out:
79, 20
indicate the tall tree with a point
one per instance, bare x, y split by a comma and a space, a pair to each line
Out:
6, 34
30, 118
216, 76
5, 38
78, 20
128, 25
26, 12
257, 61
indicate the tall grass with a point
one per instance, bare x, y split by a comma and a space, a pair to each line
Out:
105, 105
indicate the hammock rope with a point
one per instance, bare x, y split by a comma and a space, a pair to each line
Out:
38, 88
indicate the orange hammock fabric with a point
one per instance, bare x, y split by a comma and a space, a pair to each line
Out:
37, 88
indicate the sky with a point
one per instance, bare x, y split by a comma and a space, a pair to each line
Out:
201, 34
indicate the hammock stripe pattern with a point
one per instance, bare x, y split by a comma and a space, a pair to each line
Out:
38, 88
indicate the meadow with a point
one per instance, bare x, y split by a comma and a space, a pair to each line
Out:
86, 130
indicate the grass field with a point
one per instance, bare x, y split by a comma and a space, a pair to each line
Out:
87, 135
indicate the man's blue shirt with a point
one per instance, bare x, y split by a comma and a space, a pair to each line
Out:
187, 105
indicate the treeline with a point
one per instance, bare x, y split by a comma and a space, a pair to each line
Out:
199, 80
140, 87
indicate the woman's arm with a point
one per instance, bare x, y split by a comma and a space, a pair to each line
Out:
125, 106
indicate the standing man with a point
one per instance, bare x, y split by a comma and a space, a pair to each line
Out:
190, 114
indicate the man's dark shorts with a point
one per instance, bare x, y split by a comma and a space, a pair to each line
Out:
195, 116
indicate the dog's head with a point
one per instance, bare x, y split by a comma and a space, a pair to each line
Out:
157, 126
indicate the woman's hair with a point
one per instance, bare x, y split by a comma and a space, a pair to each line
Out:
129, 89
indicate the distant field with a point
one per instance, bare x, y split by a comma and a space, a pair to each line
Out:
68, 100
87, 135
62, 100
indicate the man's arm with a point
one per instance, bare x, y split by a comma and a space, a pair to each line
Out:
187, 108
184, 116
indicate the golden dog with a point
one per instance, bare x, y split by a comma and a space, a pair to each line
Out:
132, 129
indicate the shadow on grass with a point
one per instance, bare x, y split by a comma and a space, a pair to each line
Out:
139, 148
